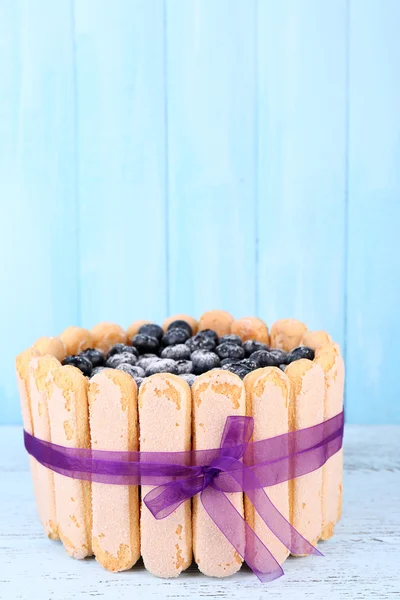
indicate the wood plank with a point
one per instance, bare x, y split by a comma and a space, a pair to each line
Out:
120, 94
38, 238
374, 213
301, 162
211, 155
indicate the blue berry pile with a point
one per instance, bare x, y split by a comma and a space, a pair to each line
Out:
180, 352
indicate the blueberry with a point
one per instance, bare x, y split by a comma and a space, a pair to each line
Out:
179, 324
231, 338
262, 358
145, 360
119, 348
95, 356
230, 361
131, 369
282, 367
178, 352
249, 363
162, 365
229, 350
301, 352
96, 370
238, 369
183, 366
269, 358
190, 378
175, 336
204, 340
203, 361
119, 359
280, 356
251, 346
145, 343
152, 330
79, 361
210, 333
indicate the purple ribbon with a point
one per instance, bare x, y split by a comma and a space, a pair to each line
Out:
238, 465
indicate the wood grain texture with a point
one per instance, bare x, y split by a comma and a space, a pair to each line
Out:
39, 261
163, 156
210, 56
120, 150
361, 561
374, 212
301, 162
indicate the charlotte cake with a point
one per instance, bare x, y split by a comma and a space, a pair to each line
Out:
81, 390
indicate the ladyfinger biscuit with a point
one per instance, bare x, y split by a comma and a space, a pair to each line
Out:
192, 322
219, 321
315, 339
41, 374
115, 508
306, 409
216, 395
165, 426
69, 425
22, 363
251, 328
76, 339
331, 361
51, 345
134, 328
106, 335
287, 334
267, 399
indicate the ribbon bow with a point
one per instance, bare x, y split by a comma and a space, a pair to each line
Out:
227, 473
238, 465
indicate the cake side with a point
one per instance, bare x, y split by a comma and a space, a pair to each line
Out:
267, 401
216, 395
165, 406
69, 426
41, 372
22, 366
331, 361
306, 409
113, 426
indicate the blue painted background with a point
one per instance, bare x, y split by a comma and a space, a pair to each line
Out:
159, 157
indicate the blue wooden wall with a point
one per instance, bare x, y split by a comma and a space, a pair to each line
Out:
159, 157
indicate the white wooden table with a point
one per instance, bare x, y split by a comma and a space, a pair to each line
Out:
361, 561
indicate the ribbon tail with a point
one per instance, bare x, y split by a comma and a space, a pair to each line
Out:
272, 517
234, 527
